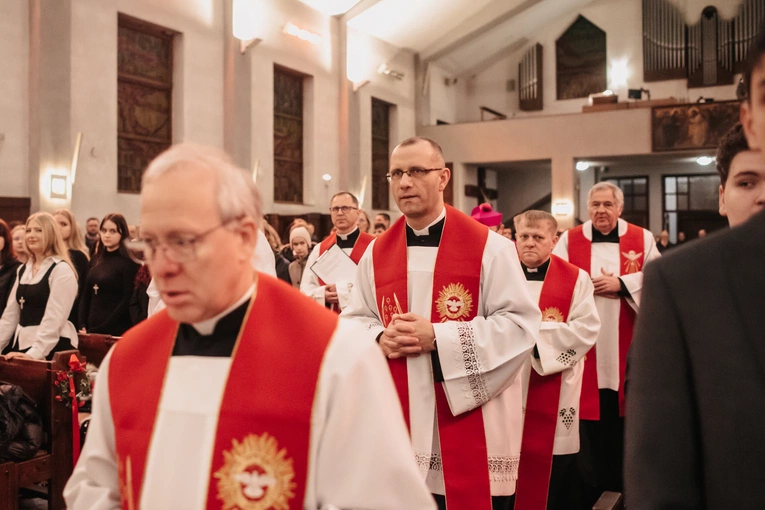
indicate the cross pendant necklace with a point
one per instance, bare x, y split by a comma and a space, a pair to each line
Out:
95, 288
21, 302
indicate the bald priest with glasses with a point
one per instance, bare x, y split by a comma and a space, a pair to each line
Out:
204, 405
331, 266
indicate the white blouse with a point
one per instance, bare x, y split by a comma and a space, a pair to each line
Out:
42, 339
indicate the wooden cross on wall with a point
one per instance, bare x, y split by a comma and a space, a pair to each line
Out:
480, 192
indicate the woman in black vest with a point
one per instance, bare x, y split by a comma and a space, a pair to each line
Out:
35, 322
8, 264
78, 252
105, 303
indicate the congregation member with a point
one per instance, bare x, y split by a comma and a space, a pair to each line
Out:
662, 243
344, 208
91, 233
300, 242
446, 300
225, 414
613, 252
695, 414
552, 375
742, 177
9, 264
79, 253
17, 234
139, 301
379, 229
105, 303
681, 238
35, 323
485, 215
281, 264
364, 225
383, 218
702, 234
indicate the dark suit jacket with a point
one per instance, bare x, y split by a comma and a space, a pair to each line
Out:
695, 428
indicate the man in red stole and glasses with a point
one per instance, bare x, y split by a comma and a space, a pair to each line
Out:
614, 254
447, 302
552, 377
243, 393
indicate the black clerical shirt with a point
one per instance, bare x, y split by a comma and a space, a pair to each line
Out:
430, 240
349, 241
536, 274
220, 343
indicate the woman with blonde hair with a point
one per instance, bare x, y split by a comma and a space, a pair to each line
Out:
17, 234
35, 322
78, 252
364, 224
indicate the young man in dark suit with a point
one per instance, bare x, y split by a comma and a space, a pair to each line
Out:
696, 370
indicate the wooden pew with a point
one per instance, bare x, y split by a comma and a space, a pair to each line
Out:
53, 463
94, 346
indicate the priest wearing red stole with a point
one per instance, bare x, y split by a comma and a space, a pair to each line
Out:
344, 208
447, 302
552, 376
242, 393
614, 253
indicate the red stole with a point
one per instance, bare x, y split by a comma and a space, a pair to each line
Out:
631, 259
359, 247
544, 396
265, 414
456, 287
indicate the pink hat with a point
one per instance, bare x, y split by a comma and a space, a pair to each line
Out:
485, 215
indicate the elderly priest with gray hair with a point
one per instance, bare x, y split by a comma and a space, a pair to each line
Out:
242, 393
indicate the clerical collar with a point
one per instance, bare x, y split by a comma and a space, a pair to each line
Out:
208, 326
430, 236
347, 240
536, 274
611, 237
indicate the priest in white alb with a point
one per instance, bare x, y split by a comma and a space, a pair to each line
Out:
447, 302
205, 405
347, 241
614, 253
552, 376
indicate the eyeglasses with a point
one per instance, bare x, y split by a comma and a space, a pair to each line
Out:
344, 208
177, 248
414, 173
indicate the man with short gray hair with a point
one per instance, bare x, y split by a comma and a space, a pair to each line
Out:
204, 405
614, 253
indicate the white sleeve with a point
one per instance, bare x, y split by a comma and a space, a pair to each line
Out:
480, 359
634, 281
11, 315
361, 305
94, 484
343, 293
263, 259
364, 457
63, 292
562, 344
309, 285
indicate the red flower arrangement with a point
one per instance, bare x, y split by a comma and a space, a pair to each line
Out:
65, 382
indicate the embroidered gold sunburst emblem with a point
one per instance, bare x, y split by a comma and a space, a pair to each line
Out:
552, 314
632, 264
256, 475
454, 302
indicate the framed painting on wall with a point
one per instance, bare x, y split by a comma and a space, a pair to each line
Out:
691, 126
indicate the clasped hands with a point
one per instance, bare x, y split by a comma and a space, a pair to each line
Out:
407, 335
607, 285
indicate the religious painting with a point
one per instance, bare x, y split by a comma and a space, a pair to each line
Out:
691, 126
580, 60
288, 136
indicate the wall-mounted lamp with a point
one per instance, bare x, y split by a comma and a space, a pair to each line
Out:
704, 160
302, 33
582, 166
563, 208
326, 178
58, 184
244, 24
387, 71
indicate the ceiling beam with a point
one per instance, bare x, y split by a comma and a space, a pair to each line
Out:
493, 58
358, 9
489, 17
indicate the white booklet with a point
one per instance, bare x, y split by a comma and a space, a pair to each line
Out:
334, 265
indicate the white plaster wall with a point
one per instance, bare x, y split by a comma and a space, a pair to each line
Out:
443, 96
14, 98
620, 19
197, 90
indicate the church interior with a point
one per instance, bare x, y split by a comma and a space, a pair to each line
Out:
533, 102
